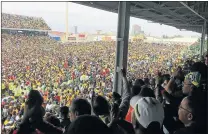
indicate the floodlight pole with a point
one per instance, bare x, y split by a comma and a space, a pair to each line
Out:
121, 44
67, 23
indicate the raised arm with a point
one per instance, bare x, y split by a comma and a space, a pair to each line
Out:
126, 96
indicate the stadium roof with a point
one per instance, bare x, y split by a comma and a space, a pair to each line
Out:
189, 15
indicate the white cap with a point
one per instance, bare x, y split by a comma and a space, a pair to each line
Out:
147, 110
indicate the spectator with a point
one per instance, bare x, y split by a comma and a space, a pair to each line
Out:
148, 116
145, 92
79, 107
139, 82
65, 121
87, 124
192, 115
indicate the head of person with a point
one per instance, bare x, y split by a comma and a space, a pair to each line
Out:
146, 81
191, 82
146, 92
139, 82
64, 111
148, 116
34, 97
152, 82
135, 90
87, 124
166, 79
192, 110
100, 106
116, 98
201, 68
79, 107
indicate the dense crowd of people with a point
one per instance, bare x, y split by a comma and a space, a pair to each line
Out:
54, 88
22, 22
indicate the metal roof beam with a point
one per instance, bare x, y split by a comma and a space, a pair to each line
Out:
147, 9
163, 11
186, 25
138, 10
204, 14
153, 15
193, 11
164, 3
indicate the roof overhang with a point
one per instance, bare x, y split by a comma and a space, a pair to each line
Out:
172, 13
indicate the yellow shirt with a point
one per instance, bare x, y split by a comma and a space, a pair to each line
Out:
6, 122
11, 85
3, 86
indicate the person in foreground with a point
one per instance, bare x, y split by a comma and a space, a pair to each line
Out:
148, 116
88, 124
65, 120
193, 115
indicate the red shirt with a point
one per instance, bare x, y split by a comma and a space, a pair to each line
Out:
65, 64
128, 116
3, 103
107, 71
27, 83
57, 98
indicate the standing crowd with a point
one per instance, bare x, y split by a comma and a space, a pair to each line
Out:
54, 88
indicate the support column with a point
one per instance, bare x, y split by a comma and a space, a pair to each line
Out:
203, 39
207, 37
121, 44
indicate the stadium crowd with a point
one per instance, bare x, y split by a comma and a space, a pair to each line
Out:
22, 22
54, 88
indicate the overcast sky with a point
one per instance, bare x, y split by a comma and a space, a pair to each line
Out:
86, 18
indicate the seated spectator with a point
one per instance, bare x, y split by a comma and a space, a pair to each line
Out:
193, 115
148, 116
65, 121
79, 107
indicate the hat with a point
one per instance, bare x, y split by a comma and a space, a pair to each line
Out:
194, 78
147, 110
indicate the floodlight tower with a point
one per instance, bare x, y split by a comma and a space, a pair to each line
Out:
67, 27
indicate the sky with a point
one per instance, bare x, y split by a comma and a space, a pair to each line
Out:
87, 19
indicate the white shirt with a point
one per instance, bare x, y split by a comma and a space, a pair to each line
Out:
17, 118
49, 107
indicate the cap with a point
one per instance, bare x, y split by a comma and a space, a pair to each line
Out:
147, 110
194, 78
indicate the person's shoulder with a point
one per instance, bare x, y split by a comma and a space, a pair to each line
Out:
183, 131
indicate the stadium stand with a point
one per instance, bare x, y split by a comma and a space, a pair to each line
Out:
23, 22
